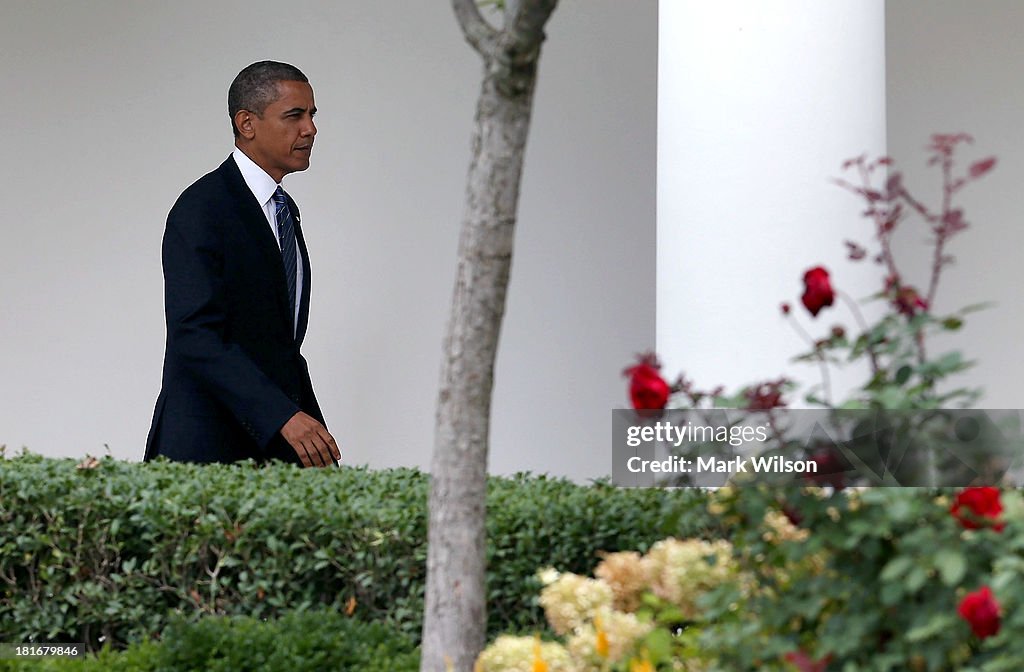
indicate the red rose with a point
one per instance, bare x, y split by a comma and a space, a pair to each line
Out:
978, 507
647, 389
817, 290
981, 611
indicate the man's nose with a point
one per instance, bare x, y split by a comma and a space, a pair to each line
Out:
310, 128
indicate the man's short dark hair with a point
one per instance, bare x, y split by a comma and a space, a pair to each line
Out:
255, 87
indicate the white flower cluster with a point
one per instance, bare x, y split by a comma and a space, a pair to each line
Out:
519, 654
619, 631
571, 600
778, 528
682, 571
596, 615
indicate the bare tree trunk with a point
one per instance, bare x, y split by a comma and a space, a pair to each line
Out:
455, 619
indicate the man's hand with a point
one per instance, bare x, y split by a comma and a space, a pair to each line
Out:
311, 441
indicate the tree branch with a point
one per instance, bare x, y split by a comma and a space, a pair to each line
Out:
524, 23
480, 34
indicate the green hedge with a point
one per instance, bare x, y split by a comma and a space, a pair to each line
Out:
109, 554
298, 642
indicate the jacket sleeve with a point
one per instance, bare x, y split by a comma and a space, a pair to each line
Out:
193, 263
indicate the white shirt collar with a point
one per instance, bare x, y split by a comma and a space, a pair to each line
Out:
260, 183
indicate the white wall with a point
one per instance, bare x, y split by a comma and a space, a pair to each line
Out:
758, 105
112, 108
956, 66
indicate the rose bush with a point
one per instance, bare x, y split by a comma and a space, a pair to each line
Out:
904, 372
881, 579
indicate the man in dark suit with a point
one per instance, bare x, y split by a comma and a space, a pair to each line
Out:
236, 292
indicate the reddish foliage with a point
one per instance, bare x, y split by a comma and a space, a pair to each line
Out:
804, 663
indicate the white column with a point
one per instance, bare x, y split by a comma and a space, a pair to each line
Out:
759, 103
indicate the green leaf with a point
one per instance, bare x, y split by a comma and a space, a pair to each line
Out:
900, 510
916, 579
903, 375
949, 363
671, 615
939, 623
890, 594
975, 307
952, 566
891, 397
896, 568
659, 644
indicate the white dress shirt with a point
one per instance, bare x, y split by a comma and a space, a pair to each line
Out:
263, 187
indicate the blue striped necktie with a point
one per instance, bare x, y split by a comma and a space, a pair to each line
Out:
286, 236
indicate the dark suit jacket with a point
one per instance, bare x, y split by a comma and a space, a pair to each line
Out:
232, 373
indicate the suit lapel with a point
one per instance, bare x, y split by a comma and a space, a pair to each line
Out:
255, 221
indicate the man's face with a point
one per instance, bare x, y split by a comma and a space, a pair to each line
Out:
282, 138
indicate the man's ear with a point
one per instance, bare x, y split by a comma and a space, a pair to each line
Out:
244, 124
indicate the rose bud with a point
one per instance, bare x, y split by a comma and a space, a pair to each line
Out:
647, 389
817, 290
